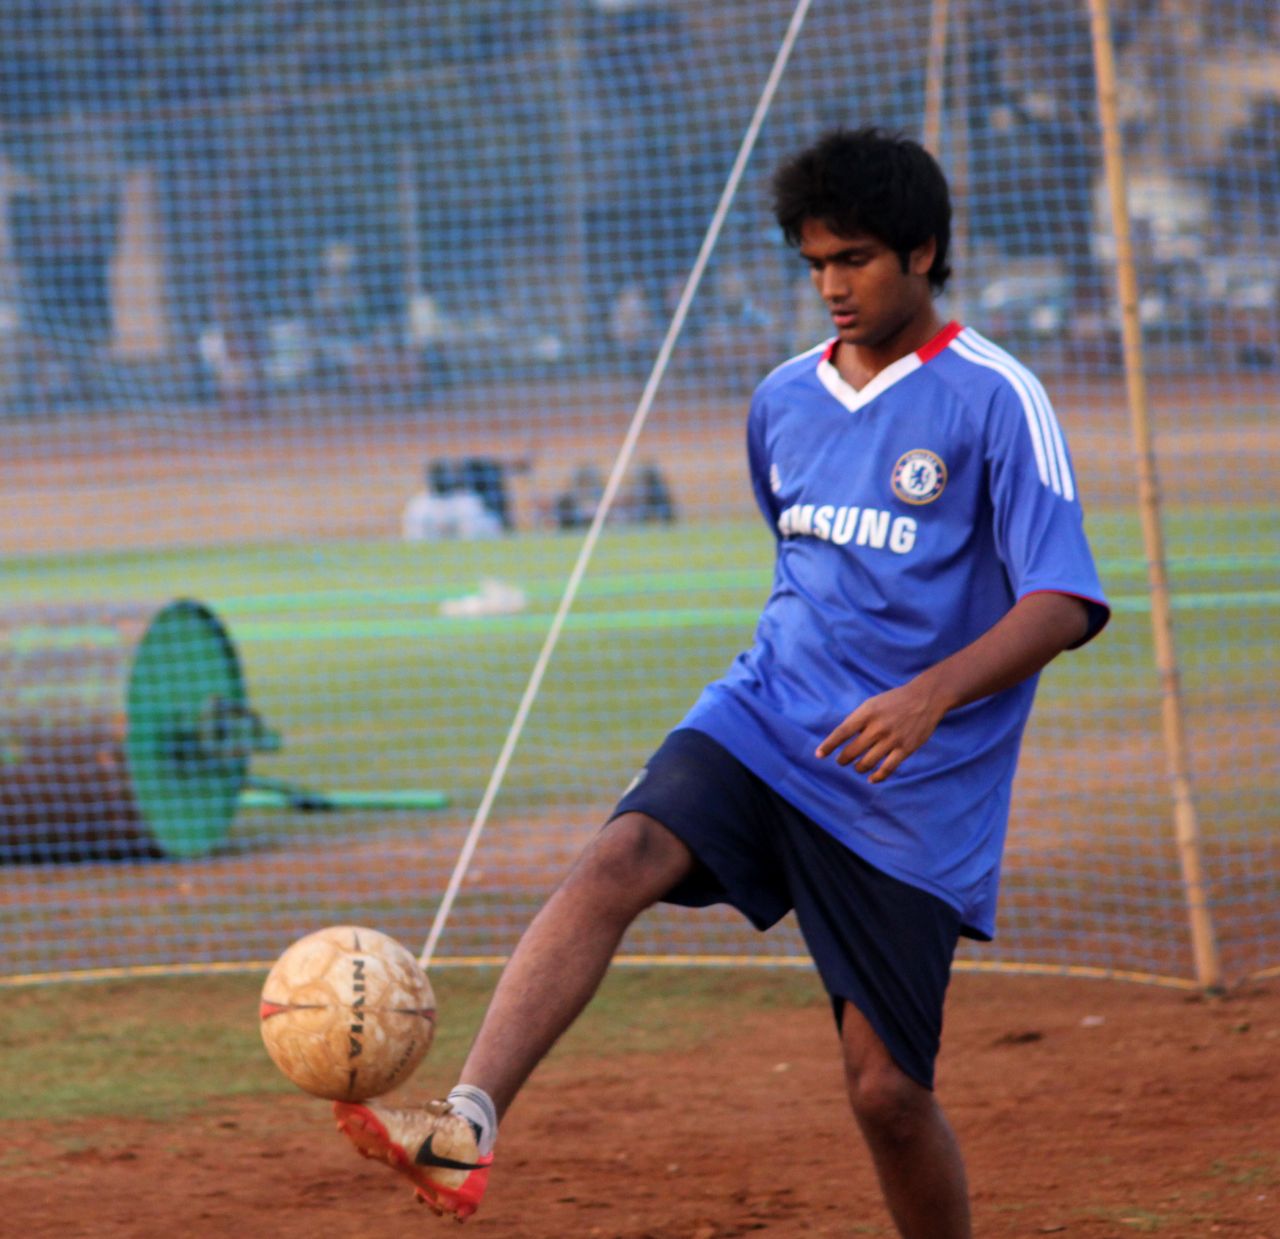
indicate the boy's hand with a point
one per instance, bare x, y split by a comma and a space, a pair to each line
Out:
885, 730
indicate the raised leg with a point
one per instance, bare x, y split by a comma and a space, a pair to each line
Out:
564, 954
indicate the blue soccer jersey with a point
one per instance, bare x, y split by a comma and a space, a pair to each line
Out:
909, 515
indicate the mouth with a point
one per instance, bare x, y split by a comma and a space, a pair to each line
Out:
842, 318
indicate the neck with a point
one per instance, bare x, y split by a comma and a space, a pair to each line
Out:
859, 363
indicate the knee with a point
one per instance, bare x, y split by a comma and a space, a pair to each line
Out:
634, 859
890, 1106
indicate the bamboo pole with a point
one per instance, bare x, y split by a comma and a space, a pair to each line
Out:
946, 31
1186, 821
935, 76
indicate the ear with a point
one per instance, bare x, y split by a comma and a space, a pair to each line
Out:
922, 257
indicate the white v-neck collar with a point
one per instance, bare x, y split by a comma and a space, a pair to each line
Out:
855, 398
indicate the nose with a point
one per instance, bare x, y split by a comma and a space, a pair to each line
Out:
831, 283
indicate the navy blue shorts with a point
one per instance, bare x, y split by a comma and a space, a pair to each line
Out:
877, 942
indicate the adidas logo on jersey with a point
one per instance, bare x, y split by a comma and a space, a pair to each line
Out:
870, 527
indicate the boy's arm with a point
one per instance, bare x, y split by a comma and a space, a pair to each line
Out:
886, 729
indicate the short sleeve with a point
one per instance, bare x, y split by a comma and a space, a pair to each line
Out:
1037, 515
758, 463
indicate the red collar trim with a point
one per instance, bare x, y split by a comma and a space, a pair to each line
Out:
927, 352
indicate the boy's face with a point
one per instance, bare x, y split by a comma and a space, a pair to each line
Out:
870, 298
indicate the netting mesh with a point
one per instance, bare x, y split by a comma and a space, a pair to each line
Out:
332, 317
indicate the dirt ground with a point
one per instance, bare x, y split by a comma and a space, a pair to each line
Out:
1087, 1109
329, 471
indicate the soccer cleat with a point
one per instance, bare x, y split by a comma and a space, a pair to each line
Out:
434, 1148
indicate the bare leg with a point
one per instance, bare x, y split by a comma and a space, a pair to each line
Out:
912, 1145
563, 955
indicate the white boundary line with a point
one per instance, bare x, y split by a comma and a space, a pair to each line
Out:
615, 480
146, 972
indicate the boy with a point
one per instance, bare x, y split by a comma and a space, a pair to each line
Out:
855, 763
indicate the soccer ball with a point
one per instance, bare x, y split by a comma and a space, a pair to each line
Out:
347, 1013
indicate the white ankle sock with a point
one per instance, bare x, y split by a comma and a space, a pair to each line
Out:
476, 1106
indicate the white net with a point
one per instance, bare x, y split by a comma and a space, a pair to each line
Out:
331, 319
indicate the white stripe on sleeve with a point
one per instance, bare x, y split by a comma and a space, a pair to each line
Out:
1042, 424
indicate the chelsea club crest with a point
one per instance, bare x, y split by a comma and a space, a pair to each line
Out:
919, 476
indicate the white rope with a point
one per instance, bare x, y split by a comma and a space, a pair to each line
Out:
620, 465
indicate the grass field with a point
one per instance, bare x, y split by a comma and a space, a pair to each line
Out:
146, 1049
162, 1049
345, 651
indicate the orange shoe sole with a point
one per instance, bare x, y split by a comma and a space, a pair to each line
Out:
371, 1139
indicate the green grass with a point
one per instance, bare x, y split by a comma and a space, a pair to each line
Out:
160, 1048
346, 654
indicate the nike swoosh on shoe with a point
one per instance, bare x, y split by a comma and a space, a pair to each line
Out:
426, 1156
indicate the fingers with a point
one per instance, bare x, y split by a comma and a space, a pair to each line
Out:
835, 740
870, 749
872, 758
862, 747
878, 761
851, 751
855, 724
891, 762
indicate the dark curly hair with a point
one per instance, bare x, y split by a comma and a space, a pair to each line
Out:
868, 180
